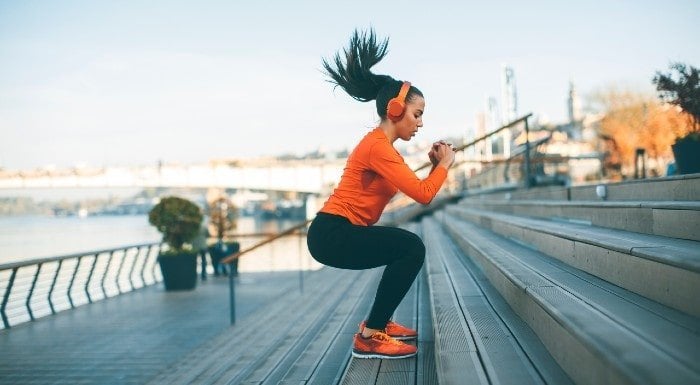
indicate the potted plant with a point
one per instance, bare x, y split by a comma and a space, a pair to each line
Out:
682, 89
223, 214
179, 221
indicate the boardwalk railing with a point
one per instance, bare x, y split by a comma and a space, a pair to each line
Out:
39, 287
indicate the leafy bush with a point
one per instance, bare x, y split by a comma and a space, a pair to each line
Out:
682, 89
178, 220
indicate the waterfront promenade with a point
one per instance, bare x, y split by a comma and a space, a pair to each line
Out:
130, 338
591, 284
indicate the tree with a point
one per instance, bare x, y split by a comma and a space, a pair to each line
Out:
634, 120
223, 216
682, 89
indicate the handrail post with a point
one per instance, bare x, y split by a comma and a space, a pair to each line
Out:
87, 284
31, 292
203, 264
7, 297
527, 155
104, 277
72, 280
155, 263
133, 267
119, 271
53, 285
143, 267
301, 271
232, 296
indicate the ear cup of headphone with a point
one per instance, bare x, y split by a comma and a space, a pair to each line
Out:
395, 109
396, 106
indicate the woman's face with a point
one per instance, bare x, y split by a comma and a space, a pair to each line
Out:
412, 119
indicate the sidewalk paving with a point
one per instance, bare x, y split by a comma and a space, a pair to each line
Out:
130, 338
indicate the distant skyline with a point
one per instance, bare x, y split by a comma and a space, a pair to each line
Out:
120, 83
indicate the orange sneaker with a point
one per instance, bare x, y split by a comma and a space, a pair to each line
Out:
381, 345
395, 331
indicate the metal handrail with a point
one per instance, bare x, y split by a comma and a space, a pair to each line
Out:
484, 137
44, 286
233, 257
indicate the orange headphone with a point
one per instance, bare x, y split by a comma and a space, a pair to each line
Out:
397, 105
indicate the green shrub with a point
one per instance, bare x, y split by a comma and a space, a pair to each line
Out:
178, 220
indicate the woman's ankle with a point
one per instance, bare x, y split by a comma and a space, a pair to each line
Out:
367, 332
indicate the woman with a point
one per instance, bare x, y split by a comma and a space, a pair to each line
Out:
342, 234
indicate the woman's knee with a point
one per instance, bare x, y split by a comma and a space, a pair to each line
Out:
417, 250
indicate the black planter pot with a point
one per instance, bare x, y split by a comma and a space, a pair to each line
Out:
179, 271
687, 154
218, 252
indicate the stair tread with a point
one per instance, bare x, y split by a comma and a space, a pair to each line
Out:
612, 324
677, 252
671, 205
508, 348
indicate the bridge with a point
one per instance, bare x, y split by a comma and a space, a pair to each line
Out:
313, 176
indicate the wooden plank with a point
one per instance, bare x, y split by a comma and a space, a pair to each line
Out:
239, 344
361, 371
337, 358
456, 357
230, 343
531, 345
304, 361
502, 358
395, 378
265, 354
425, 362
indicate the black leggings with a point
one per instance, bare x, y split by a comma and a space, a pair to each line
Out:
334, 241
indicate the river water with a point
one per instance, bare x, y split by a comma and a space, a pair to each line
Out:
29, 237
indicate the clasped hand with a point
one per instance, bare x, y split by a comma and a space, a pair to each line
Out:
442, 153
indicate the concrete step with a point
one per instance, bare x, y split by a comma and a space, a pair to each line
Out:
674, 188
478, 338
666, 270
598, 332
676, 219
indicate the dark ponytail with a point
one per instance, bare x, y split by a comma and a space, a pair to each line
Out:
355, 77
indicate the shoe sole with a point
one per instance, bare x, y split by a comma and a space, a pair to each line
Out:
403, 338
381, 356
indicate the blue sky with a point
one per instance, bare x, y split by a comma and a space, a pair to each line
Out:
134, 82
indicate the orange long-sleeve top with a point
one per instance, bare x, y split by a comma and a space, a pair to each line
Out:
373, 174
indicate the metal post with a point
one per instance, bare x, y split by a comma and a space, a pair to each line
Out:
119, 271
143, 267
133, 267
232, 297
203, 264
527, 156
639, 158
7, 297
87, 284
153, 270
104, 277
72, 280
31, 292
53, 284
301, 271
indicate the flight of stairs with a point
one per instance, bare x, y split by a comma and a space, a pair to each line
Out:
586, 285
